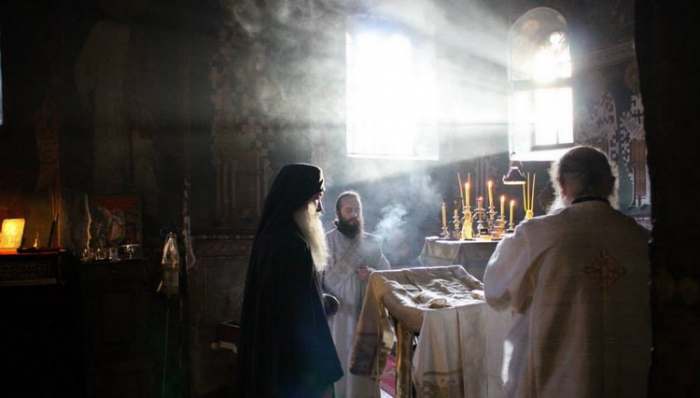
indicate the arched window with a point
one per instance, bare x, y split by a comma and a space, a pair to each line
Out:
541, 99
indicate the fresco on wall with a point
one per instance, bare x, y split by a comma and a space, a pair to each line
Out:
611, 117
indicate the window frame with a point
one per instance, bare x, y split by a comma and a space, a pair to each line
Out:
535, 152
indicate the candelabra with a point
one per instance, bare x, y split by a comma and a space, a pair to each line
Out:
467, 232
499, 228
445, 234
491, 221
456, 222
481, 229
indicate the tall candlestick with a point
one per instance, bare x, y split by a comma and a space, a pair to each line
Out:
512, 205
467, 193
444, 214
532, 195
503, 203
490, 188
461, 193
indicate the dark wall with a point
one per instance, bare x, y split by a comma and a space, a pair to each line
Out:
668, 63
99, 98
40, 100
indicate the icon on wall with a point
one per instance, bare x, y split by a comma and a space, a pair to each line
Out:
11, 235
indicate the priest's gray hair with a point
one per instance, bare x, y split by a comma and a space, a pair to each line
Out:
584, 171
308, 219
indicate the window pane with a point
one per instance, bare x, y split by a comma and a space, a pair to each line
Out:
389, 96
553, 116
553, 60
541, 106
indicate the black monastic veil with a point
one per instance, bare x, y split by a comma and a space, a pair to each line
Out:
286, 349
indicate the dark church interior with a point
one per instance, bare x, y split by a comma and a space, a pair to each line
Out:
140, 139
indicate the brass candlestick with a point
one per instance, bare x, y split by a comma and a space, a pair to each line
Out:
481, 229
467, 232
491, 224
529, 196
499, 228
511, 226
445, 232
456, 223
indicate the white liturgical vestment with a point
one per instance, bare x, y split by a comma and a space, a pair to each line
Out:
341, 280
578, 281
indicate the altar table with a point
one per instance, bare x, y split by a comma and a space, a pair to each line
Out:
473, 255
459, 338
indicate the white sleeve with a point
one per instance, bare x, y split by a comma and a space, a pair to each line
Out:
505, 279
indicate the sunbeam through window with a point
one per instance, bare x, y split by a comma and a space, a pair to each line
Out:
390, 96
541, 104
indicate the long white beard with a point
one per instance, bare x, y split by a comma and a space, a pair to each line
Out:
309, 222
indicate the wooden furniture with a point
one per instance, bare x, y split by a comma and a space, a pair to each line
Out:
40, 334
88, 330
216, 287
125, 329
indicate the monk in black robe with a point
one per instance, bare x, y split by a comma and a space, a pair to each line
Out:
286, 349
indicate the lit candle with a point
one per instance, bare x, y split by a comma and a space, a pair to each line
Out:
444, 214
503, 204
512, 206
461, 194
467, 194
479, 203
490, 186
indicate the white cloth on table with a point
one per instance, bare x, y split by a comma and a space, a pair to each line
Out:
579, 279
341, 280
409, 296
459, 352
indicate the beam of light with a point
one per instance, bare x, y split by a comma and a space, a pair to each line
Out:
542, 115
390, 98
553, 116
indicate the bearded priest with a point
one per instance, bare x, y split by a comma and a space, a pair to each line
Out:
353, 255
286, 348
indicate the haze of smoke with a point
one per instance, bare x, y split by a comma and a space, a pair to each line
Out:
392, 218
